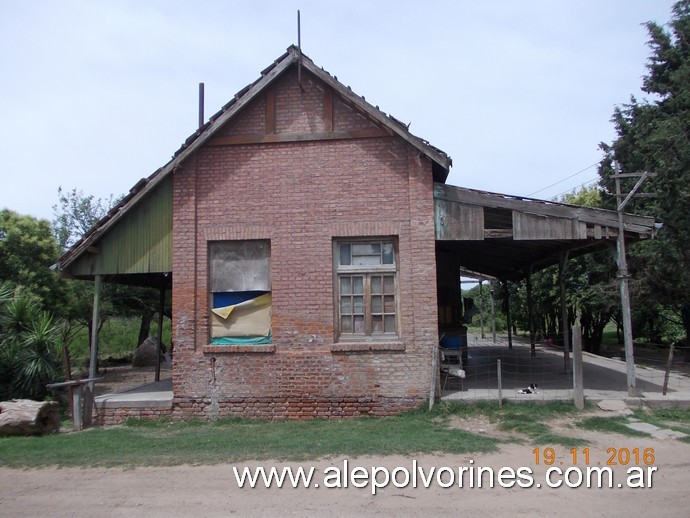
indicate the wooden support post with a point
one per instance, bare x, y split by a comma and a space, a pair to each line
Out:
435, 389
578, 381
481, 309
493, 312
564, 310
506, 298
161, 309
93, 358
623, 276
530, 315
500, 383
669, 362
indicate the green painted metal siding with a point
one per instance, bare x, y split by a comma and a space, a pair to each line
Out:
140, 242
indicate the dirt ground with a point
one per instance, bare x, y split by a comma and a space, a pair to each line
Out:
120, 377
213, 490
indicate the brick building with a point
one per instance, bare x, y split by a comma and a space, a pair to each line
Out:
299, 231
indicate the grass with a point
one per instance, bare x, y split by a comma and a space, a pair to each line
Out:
142, 443
615, 424
674, 418
165, 443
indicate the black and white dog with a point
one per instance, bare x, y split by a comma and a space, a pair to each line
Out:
532, 389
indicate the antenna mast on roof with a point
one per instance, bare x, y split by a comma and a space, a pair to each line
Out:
299, 51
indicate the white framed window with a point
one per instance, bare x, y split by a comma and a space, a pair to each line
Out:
366, 289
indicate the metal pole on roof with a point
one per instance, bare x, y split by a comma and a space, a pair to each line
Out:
299, 50
201, 104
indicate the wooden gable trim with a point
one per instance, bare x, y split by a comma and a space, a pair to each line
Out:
297, 137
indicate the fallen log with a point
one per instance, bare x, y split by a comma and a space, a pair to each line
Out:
27, 417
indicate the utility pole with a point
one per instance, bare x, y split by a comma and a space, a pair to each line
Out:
623, 269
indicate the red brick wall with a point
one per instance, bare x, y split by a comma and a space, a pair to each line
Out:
113, 416
300, 196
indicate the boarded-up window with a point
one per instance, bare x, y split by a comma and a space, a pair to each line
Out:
366, 289
240, 286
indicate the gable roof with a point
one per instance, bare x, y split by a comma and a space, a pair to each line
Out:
293, 56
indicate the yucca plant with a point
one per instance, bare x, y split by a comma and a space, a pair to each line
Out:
29, 346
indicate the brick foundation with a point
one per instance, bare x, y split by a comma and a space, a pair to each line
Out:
113, 416
290, 408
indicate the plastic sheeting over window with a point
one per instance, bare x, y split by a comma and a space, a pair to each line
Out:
241, 298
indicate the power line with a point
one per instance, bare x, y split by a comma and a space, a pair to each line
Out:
582, 185
564, 179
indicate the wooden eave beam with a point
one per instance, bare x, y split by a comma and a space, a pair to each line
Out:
639, 224
298, 137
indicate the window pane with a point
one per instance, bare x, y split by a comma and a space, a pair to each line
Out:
345, 285
376, 284
377, 322
345, 305
388, 284
359, 324
239, 266
358, 305
366, 249
346, 324
376, 304
389, 324
389, 304
388, 257
358, 285
366, 260
345, 253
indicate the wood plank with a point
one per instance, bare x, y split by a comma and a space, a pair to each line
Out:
235, 140
458, 222
270, 112
328, 109
633, 223
498, 233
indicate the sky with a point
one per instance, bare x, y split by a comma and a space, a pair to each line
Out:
96, 94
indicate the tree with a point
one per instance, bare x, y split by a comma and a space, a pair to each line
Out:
28, 250
654, 135
75, 214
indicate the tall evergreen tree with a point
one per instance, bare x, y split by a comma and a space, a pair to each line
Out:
654, 135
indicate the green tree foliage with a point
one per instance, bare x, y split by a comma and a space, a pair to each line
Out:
75, 214
591, 289
27, 252
654, 135
30, 345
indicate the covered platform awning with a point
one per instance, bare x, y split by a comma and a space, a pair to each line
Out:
505, 236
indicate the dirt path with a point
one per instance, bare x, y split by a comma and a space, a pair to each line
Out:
213, 491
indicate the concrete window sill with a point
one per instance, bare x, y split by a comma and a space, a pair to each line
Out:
221, 349
346, 347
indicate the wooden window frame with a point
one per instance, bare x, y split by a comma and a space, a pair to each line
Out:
367, 272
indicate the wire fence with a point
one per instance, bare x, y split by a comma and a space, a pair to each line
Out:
548, 376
